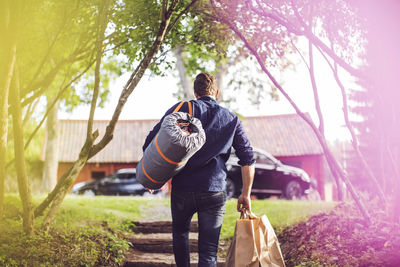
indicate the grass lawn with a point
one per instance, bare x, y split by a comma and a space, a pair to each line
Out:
90, 231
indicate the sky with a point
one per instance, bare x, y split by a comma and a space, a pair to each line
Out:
154, 95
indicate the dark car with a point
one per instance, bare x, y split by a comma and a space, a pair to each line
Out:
272, 177
122, 182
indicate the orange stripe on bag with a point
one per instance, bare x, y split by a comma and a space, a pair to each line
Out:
145, 173
179, 106
190, 108
164, 157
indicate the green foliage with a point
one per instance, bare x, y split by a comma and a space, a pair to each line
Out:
135, 24
86, 246
271, 37
312, 263
83, 91
204, 42
209, 46
88, 229
56, 43
55, 35
136, 28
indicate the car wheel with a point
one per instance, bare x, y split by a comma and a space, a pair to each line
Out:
230, 188
88, 193
293, 190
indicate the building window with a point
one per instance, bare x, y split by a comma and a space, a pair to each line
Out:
98, 175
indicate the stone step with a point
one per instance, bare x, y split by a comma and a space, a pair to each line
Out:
158, 227
159, 242
139, 259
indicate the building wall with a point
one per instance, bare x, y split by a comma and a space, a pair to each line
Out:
92, 168
312, 165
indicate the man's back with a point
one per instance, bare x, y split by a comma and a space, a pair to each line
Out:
206, 171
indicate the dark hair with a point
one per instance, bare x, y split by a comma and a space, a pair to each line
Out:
205, 84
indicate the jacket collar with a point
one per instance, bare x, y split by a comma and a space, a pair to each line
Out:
208, 98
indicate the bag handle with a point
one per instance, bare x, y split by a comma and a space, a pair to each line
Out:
246, 214
180, 105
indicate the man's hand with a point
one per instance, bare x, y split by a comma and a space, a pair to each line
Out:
151, 191
244, 203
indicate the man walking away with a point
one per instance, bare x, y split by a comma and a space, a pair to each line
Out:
200, 186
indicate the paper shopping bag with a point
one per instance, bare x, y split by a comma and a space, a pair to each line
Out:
272, 244
254, 244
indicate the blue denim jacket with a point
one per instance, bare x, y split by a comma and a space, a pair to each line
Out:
205, 171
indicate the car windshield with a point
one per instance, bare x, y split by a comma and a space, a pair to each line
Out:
266, 159
262, 157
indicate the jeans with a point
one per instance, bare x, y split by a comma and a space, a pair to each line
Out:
210, 208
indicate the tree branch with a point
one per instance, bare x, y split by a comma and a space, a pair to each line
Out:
103, 18
301, 54
331, 160
133, 81
41, 86
29, 111
262, 13
48, 52
314, 39
179, 16
315, 89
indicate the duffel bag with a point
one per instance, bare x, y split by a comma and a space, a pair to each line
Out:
180, 136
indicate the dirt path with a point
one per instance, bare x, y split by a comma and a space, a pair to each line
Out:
153, 211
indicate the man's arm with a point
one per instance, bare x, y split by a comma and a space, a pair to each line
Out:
151, 135
244, 201
244, 152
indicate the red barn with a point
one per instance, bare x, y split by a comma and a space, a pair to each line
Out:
287, 137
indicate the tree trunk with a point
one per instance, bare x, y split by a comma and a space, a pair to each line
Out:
354, 142
7, 60
68, 179
63, 186
180, 66
23, 184
49, 178
89, 150
221, 72
321, 127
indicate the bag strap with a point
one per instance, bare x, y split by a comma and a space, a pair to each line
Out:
189, 107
